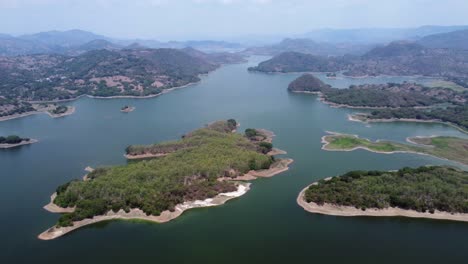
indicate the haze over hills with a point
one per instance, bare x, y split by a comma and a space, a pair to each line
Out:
451, 40
75, 41
396, 58
376, 35
311, 47
325, 42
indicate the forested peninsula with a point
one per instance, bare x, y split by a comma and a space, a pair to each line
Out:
392, 101
425, 192
390, 95
201, 169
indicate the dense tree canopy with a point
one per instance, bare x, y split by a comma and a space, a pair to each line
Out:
421, 189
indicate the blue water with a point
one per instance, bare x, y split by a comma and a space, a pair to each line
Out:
264, 226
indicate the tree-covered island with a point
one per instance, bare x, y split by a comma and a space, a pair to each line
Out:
12, 141
201, 169
425, 192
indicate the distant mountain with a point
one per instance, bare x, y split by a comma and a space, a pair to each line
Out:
11, 46
68, 38
309, 46
452, 40
298, 62
135, 45
78, 41
396, 58
97, 44
376, 35
216, 58
395, 49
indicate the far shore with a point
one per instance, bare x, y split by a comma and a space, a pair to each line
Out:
22, 143
336, 210
322, 98
5, 118
352, 117
138, 214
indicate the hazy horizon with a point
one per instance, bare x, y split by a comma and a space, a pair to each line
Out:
221, 19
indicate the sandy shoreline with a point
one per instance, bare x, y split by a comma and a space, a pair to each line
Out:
22, 143
330, 209
279, 166
55, 232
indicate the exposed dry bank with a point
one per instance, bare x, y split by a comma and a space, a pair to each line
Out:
199, 170
426, 192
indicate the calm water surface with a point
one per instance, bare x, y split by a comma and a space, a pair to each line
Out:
264, 226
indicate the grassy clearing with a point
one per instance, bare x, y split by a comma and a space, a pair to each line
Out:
450, 148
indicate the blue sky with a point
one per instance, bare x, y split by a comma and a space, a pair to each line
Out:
222, 19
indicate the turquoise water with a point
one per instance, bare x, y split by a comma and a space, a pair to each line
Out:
264, 226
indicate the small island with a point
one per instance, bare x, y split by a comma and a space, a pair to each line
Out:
331, 75
449, 148
425, 192
204, 168
13, 141
57, 111
127, 109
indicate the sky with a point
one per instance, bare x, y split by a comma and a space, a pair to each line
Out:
222, 19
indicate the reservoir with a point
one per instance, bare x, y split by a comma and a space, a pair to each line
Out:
264, 226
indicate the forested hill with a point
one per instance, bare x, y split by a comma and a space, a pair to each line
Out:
99, 72
396, 58
391, 95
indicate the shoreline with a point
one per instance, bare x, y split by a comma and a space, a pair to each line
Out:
278, 167
322, 98
70, 111
15, 116
138, 214
353, 118
22, 143
144, 156
408, 139
349, 211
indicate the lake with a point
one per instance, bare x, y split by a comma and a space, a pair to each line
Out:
263, 226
